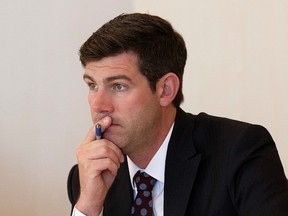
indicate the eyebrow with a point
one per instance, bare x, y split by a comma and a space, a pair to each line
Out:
109, 79
86, 76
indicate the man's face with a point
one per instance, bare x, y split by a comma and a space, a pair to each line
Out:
119, 90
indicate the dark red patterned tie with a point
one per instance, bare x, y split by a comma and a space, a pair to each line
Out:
143, 204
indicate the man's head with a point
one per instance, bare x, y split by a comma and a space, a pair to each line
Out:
158, 47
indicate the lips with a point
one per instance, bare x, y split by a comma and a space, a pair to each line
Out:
112, 128
112, 133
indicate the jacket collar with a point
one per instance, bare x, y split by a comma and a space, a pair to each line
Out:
182, 163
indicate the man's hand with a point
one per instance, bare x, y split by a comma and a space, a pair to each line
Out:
98, 162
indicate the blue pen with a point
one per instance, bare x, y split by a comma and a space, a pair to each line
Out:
98, 131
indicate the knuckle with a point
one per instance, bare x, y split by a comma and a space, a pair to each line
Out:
105, 150
79, 151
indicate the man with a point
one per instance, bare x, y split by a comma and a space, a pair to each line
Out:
202, 165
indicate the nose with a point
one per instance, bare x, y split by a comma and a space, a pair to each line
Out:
100, 103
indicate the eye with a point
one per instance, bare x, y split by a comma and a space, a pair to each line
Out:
92, 86
119, 87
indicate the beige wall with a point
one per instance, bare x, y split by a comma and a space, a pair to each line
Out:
44, 112
237, 59
237, 67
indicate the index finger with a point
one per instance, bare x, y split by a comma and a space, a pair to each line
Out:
104, 122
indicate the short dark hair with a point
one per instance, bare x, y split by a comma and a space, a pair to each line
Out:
158, 47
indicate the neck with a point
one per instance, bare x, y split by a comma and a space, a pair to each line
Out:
143, 157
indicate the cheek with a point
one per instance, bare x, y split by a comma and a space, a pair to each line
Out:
139, 106
134, 103
89, 97
92, 108
90, 100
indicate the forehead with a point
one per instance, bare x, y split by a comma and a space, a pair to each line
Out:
122, 63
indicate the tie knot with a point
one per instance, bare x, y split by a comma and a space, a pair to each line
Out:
144, 182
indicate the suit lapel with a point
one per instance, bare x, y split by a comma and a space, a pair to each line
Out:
120, 196
182, 163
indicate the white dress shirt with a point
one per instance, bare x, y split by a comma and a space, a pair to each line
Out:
156, 169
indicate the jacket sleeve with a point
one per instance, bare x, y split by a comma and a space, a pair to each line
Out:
73, 186
258, 185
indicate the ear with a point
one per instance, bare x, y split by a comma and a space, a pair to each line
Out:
167, 88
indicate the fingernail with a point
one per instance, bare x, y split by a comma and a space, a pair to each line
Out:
122, 159
105, 120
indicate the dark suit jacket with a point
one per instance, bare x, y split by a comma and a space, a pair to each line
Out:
214, 166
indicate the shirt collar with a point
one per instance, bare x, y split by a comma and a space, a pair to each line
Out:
156, 167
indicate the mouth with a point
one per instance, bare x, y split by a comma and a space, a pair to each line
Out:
112, 129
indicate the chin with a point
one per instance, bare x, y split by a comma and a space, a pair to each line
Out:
114, 138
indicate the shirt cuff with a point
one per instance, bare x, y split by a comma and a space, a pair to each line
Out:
76, 212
